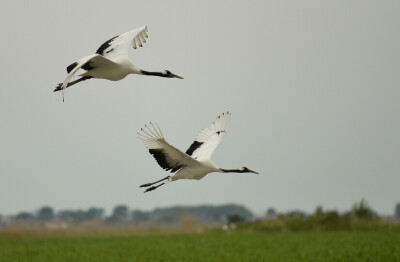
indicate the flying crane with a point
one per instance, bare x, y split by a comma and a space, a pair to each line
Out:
111, 61
195, 163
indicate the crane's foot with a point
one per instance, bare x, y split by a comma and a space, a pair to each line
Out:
150, 184
153, 187
58, 88
146, 185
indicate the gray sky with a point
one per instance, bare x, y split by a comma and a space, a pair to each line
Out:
313, 87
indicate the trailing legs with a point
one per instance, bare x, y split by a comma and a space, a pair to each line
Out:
58, 88
155, 187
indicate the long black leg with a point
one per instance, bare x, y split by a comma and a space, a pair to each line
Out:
153, 187
150, 184
58, 88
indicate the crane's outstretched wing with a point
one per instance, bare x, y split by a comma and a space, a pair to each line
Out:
209, 139
166, 155
87, 63
120, 44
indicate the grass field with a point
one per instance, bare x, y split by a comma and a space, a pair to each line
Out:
213, 246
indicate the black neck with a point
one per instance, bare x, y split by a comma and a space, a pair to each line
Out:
152, 73
231, 170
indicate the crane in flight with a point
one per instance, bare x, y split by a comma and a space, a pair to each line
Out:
195, 163
111, 61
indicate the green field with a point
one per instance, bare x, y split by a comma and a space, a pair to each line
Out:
213, 246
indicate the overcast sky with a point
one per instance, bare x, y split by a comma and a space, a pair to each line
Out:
313, 88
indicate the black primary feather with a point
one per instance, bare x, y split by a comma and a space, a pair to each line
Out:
159, 155
193, 147
87, 66
104, 46
71, 67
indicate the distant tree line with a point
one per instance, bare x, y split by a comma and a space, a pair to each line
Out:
360, 210
121, 214
208, 214
204, 213
360, 217
47, 213
397, 211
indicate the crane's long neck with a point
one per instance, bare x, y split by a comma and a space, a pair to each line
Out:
239, 170
143, 72
232, 170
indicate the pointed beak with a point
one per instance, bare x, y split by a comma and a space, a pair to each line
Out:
251, 171
176, 76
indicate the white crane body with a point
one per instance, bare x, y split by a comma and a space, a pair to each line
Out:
118, 70
197, 172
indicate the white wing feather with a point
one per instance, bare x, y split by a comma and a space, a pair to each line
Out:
167, 156
210, 138
121, 44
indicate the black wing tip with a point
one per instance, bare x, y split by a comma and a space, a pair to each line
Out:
159, 155
87, 66
105, 45
196, 144
71, 67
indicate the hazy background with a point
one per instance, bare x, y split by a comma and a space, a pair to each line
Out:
313, 87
